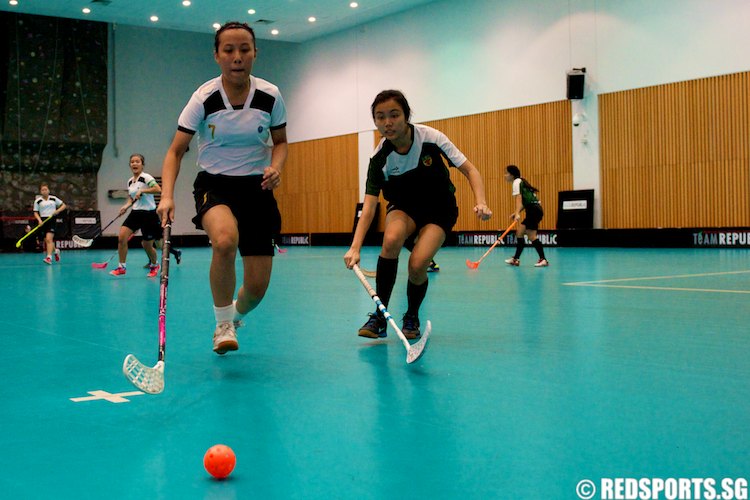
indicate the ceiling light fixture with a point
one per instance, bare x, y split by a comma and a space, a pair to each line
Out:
354, 5
251, 11
274, 32
216, 26
86, 10
186, 3
311, 19
154, 19
13, 2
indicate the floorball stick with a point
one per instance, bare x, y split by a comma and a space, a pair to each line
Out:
18, 243
103, 265
413, 351
151, 379
474, 265
85, 243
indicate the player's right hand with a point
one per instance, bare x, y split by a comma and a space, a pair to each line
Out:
166, 211
351, 257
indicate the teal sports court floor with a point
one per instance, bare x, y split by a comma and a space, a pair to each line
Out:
609, 363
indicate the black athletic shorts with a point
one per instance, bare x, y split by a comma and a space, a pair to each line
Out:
49, 226
145, 220
256, 211
444, 215
534, 215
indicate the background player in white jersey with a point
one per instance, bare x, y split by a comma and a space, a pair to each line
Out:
242, 148
408, 167
141, 190
46, 205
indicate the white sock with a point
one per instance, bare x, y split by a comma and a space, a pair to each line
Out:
123, 265
237, 315
224, 314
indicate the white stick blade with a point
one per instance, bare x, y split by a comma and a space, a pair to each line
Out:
418, 348
150, 380
81, 242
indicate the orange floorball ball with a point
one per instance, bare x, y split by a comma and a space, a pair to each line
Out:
219, 461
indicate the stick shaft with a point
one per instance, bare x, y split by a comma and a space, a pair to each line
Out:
101, 231
116, 252
18, 243
105, 227
165, 246
498, 241
488, 251
505, 233
380, 305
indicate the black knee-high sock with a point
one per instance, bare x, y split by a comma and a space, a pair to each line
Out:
415, 296
539, 249
385, 278
520, 243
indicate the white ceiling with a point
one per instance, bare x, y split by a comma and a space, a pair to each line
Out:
290, 17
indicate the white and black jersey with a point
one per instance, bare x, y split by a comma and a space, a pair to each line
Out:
47, 207
234, 140
146, 201
418, 177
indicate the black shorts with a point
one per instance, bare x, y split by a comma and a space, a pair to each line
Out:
49, 226
256, 211
145, 220
444, 216
534, 215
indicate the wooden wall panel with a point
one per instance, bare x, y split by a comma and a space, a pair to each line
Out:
535, 138
319, 188
320, 183
677, 155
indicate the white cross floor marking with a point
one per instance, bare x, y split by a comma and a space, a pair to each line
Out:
112, 398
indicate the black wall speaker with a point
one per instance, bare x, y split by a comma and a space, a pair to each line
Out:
576, 80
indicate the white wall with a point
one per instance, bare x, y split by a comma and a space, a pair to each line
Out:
644, 42
450, 58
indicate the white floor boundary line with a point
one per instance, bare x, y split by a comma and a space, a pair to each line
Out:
605, 283
660, 277
672, 289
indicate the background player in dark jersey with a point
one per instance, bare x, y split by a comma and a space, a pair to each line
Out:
240, 121
47, 205
524, 198
408, 166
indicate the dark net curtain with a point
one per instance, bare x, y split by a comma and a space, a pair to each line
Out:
54, 109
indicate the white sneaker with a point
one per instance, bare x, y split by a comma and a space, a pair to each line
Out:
513, 261
225, 338
541, 263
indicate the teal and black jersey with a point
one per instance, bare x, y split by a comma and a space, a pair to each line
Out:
419, 177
